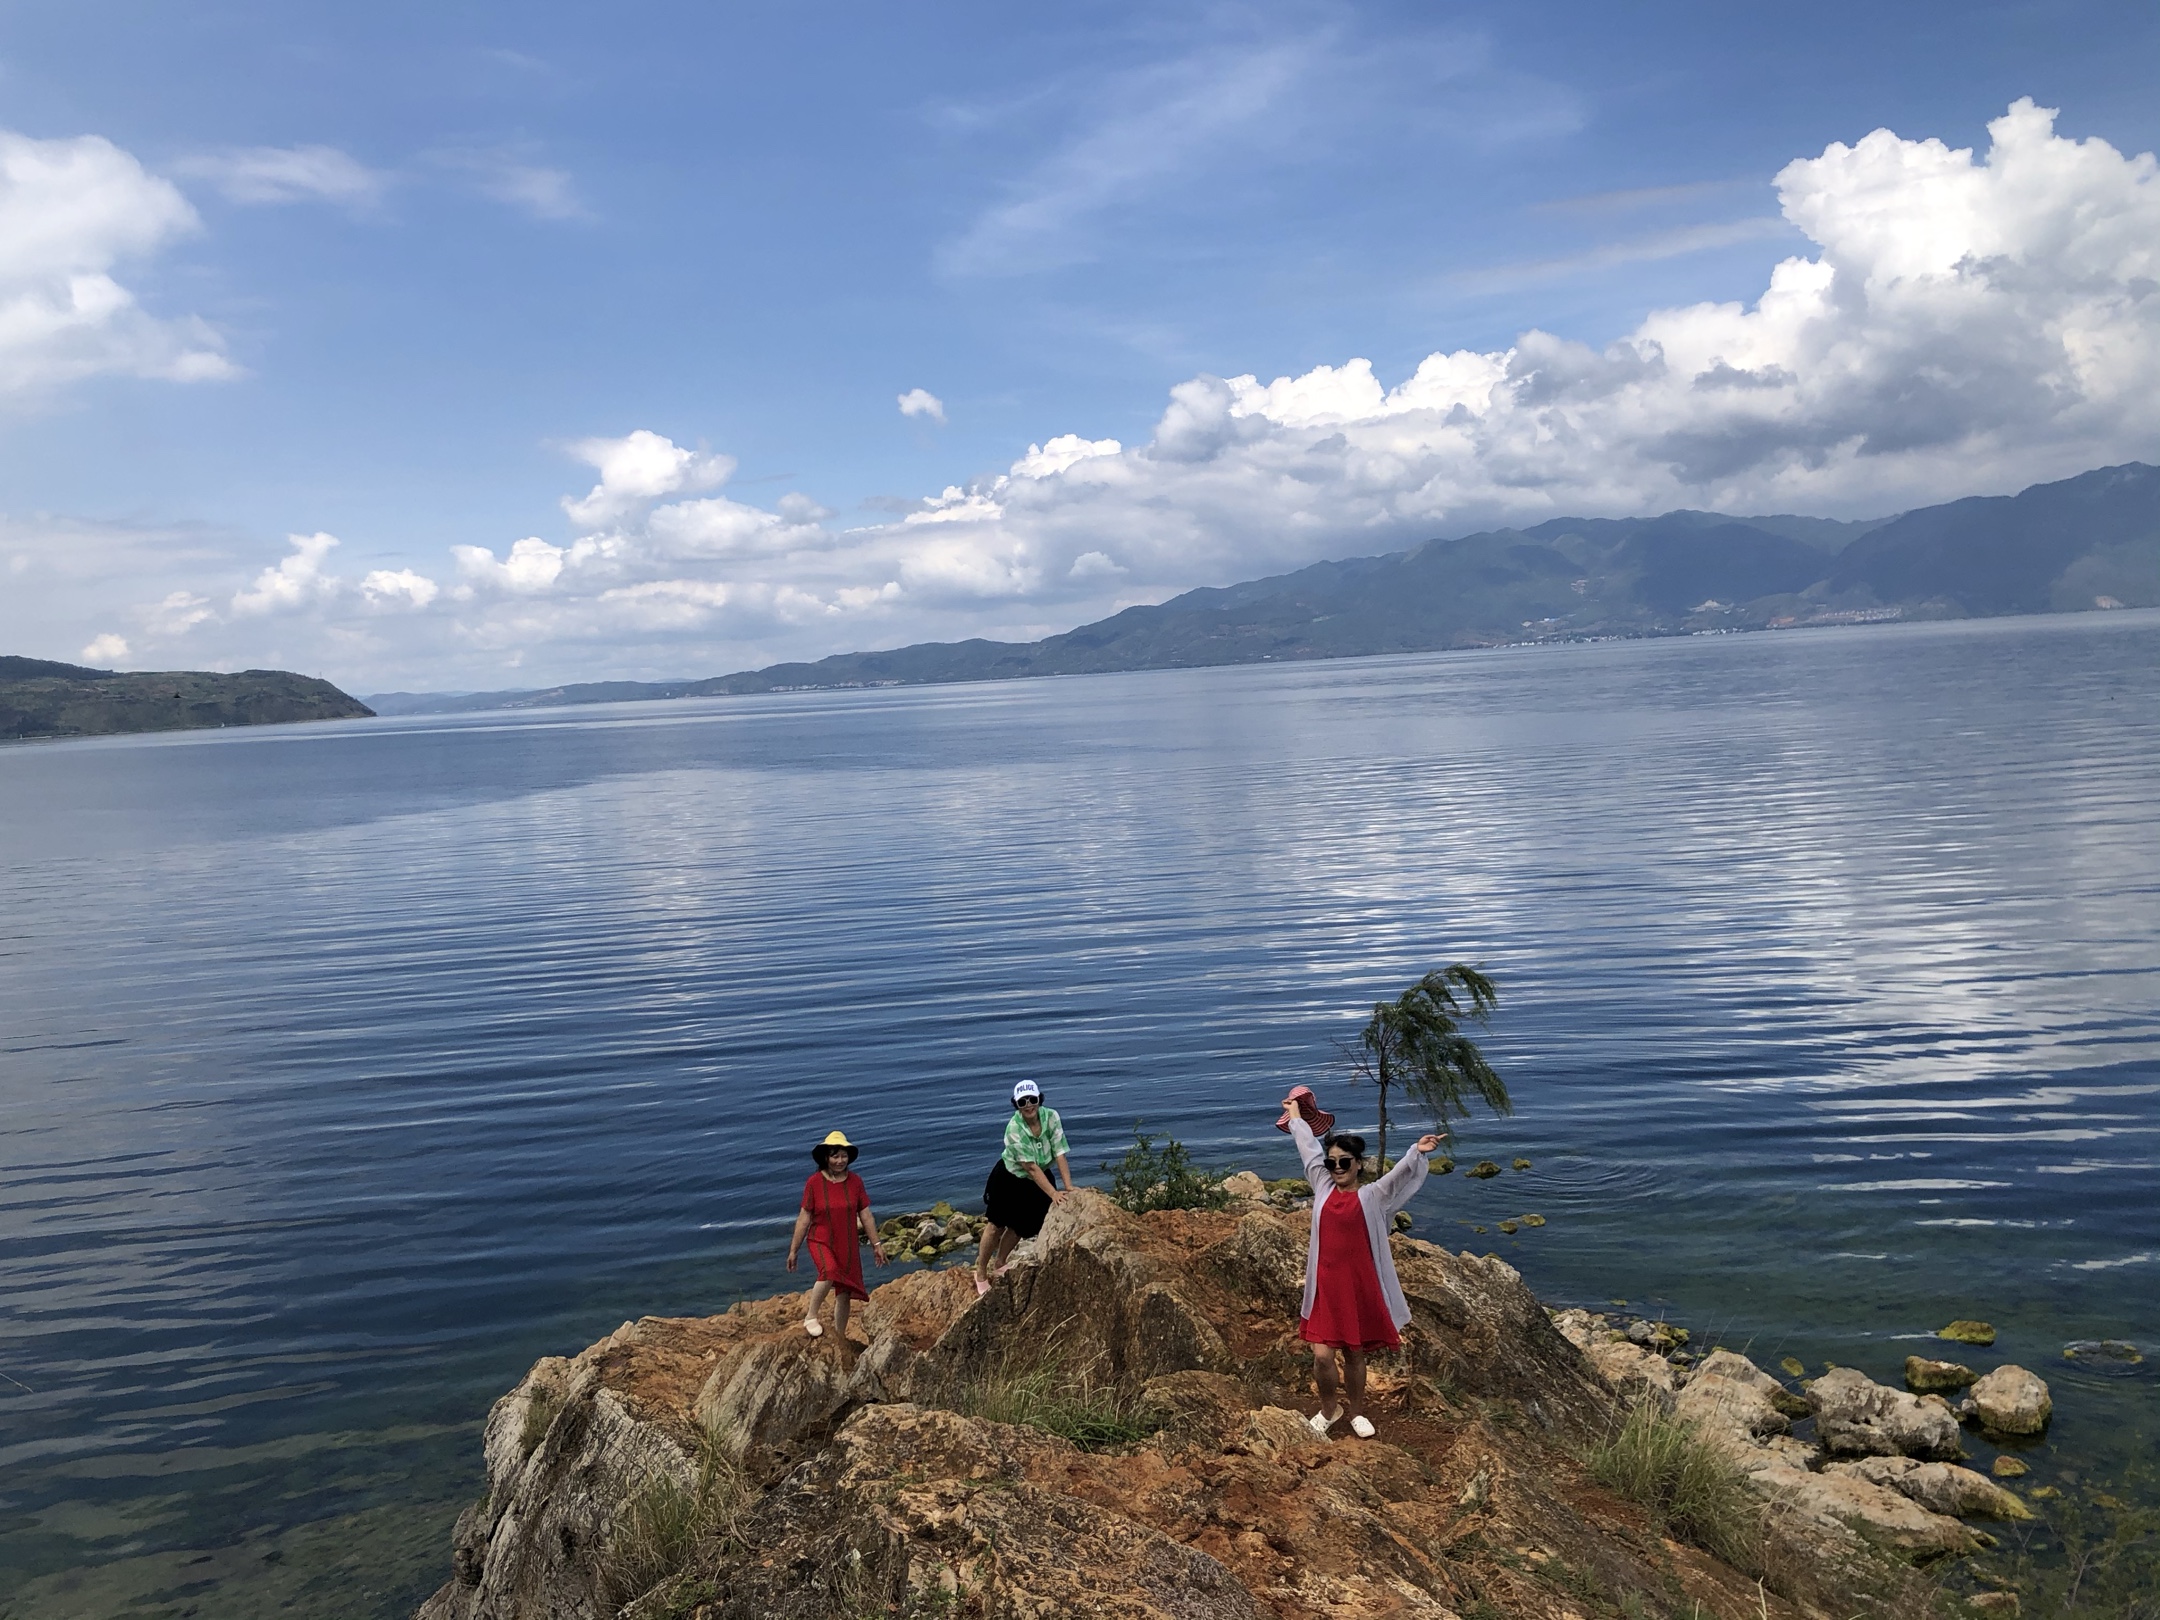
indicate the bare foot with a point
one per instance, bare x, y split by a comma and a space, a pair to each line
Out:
982, 1285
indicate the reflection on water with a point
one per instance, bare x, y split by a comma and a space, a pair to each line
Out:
349, 1068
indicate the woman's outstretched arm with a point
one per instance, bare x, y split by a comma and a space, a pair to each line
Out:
1308, 1148
1400, 1184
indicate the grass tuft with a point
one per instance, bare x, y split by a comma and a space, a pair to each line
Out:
1093, 1413
1697, 1493
661, 1530
540, 1413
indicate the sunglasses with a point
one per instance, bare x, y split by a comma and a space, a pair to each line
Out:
1030, 1102
1342, 1164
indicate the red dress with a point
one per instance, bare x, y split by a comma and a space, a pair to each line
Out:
1348, 1309
835, 1234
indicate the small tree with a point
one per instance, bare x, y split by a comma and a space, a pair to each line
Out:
1416, 1041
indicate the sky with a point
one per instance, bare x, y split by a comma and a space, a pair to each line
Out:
458, 347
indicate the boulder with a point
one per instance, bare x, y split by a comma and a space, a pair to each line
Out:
1821, 1512
1938, 1487
1727, 1398
2009, 1467
1635, 1374
1857, 1417
2011, 1400
1925, 1377
1968, 1332
1245, 1184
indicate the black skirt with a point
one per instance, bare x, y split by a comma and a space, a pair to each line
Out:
1014, 1202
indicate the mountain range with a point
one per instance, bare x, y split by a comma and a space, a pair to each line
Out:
2087, 542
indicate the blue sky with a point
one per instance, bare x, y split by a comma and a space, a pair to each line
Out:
430, 260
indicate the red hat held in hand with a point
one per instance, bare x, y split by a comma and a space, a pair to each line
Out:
1317, 1119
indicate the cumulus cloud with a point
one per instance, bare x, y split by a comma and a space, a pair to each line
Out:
921, 402
295, 581
105, 649
286, 174
637, 470
70, 212
1961, 323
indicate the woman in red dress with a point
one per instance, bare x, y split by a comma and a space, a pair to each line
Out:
1353, 1303
835, 1205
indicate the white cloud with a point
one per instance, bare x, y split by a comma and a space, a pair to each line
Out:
105, 649
921, 402
637, 470
286, 174
1962, 323
505, 174
70, 212
398, 588
178, 613
295, 581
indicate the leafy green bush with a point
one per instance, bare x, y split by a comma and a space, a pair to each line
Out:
1149, 1177
1697, 1493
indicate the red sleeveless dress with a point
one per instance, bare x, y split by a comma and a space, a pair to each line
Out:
1348, 1309
835, 1234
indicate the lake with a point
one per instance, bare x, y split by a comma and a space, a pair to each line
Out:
349, 1068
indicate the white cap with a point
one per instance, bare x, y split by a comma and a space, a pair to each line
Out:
1026, 1088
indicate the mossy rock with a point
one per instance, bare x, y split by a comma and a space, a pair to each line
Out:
1793, 1367
1964, 1332
1788, 1403
1925, 1377
1290, 1184
2043, 1493
942, 1211
1402, 1220
2007, 1467
1522, 1164
1510, 1227
1533, 1220
1483, 1170
1479, 1230
1443, 1167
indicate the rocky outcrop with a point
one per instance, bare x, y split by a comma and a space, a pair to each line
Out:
2011, 1400
730, 1468
1857, 1417
1939, 1487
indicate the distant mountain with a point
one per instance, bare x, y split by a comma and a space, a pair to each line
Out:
2090, 541
40, 698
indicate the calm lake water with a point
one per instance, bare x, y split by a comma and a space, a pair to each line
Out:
348, 1068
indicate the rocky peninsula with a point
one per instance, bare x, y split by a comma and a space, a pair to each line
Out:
41, 698
1116, 1430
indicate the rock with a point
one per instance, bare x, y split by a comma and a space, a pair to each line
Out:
1640, 1331
2009, 1467
1925, 1377
1443, 1167
2110, 1357
1483, 1170
1245, 1184
1576, 1326
1857, 1417
1510, 1227
1533, 1220
928, 1233
1826, 1508
1792, 1367
1727, 1398
1996, 1605
1938, 1487
2011, 1400
1403, 1223
1963, 1332
1635, 1374
1522, 1164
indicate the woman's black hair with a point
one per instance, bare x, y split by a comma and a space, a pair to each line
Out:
1352, 1145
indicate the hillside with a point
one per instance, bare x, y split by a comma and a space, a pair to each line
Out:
40, 698
2092, 541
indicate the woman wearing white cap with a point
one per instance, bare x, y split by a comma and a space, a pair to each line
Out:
1019, 1194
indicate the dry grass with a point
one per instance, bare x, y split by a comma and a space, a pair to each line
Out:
663, 1528
1073, 1403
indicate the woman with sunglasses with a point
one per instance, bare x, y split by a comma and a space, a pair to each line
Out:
1353, 1303
1019, 1194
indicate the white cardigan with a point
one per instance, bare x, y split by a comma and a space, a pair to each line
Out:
1379, 1202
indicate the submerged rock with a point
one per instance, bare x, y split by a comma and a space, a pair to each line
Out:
2011, 1400
1925, 1377
1966, 1332
1483, 1170
2112, 1357
1533, 1220
1792, 1366
1857, 1417
2009, 1467
1522, 1164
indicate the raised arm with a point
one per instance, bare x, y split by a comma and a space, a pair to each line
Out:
1308, 1150
1400, 1185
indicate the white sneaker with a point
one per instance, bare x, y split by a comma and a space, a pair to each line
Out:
1361, 1426
813, 1327
1320, 1423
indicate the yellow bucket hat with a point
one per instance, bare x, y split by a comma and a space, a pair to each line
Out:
835, 1139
